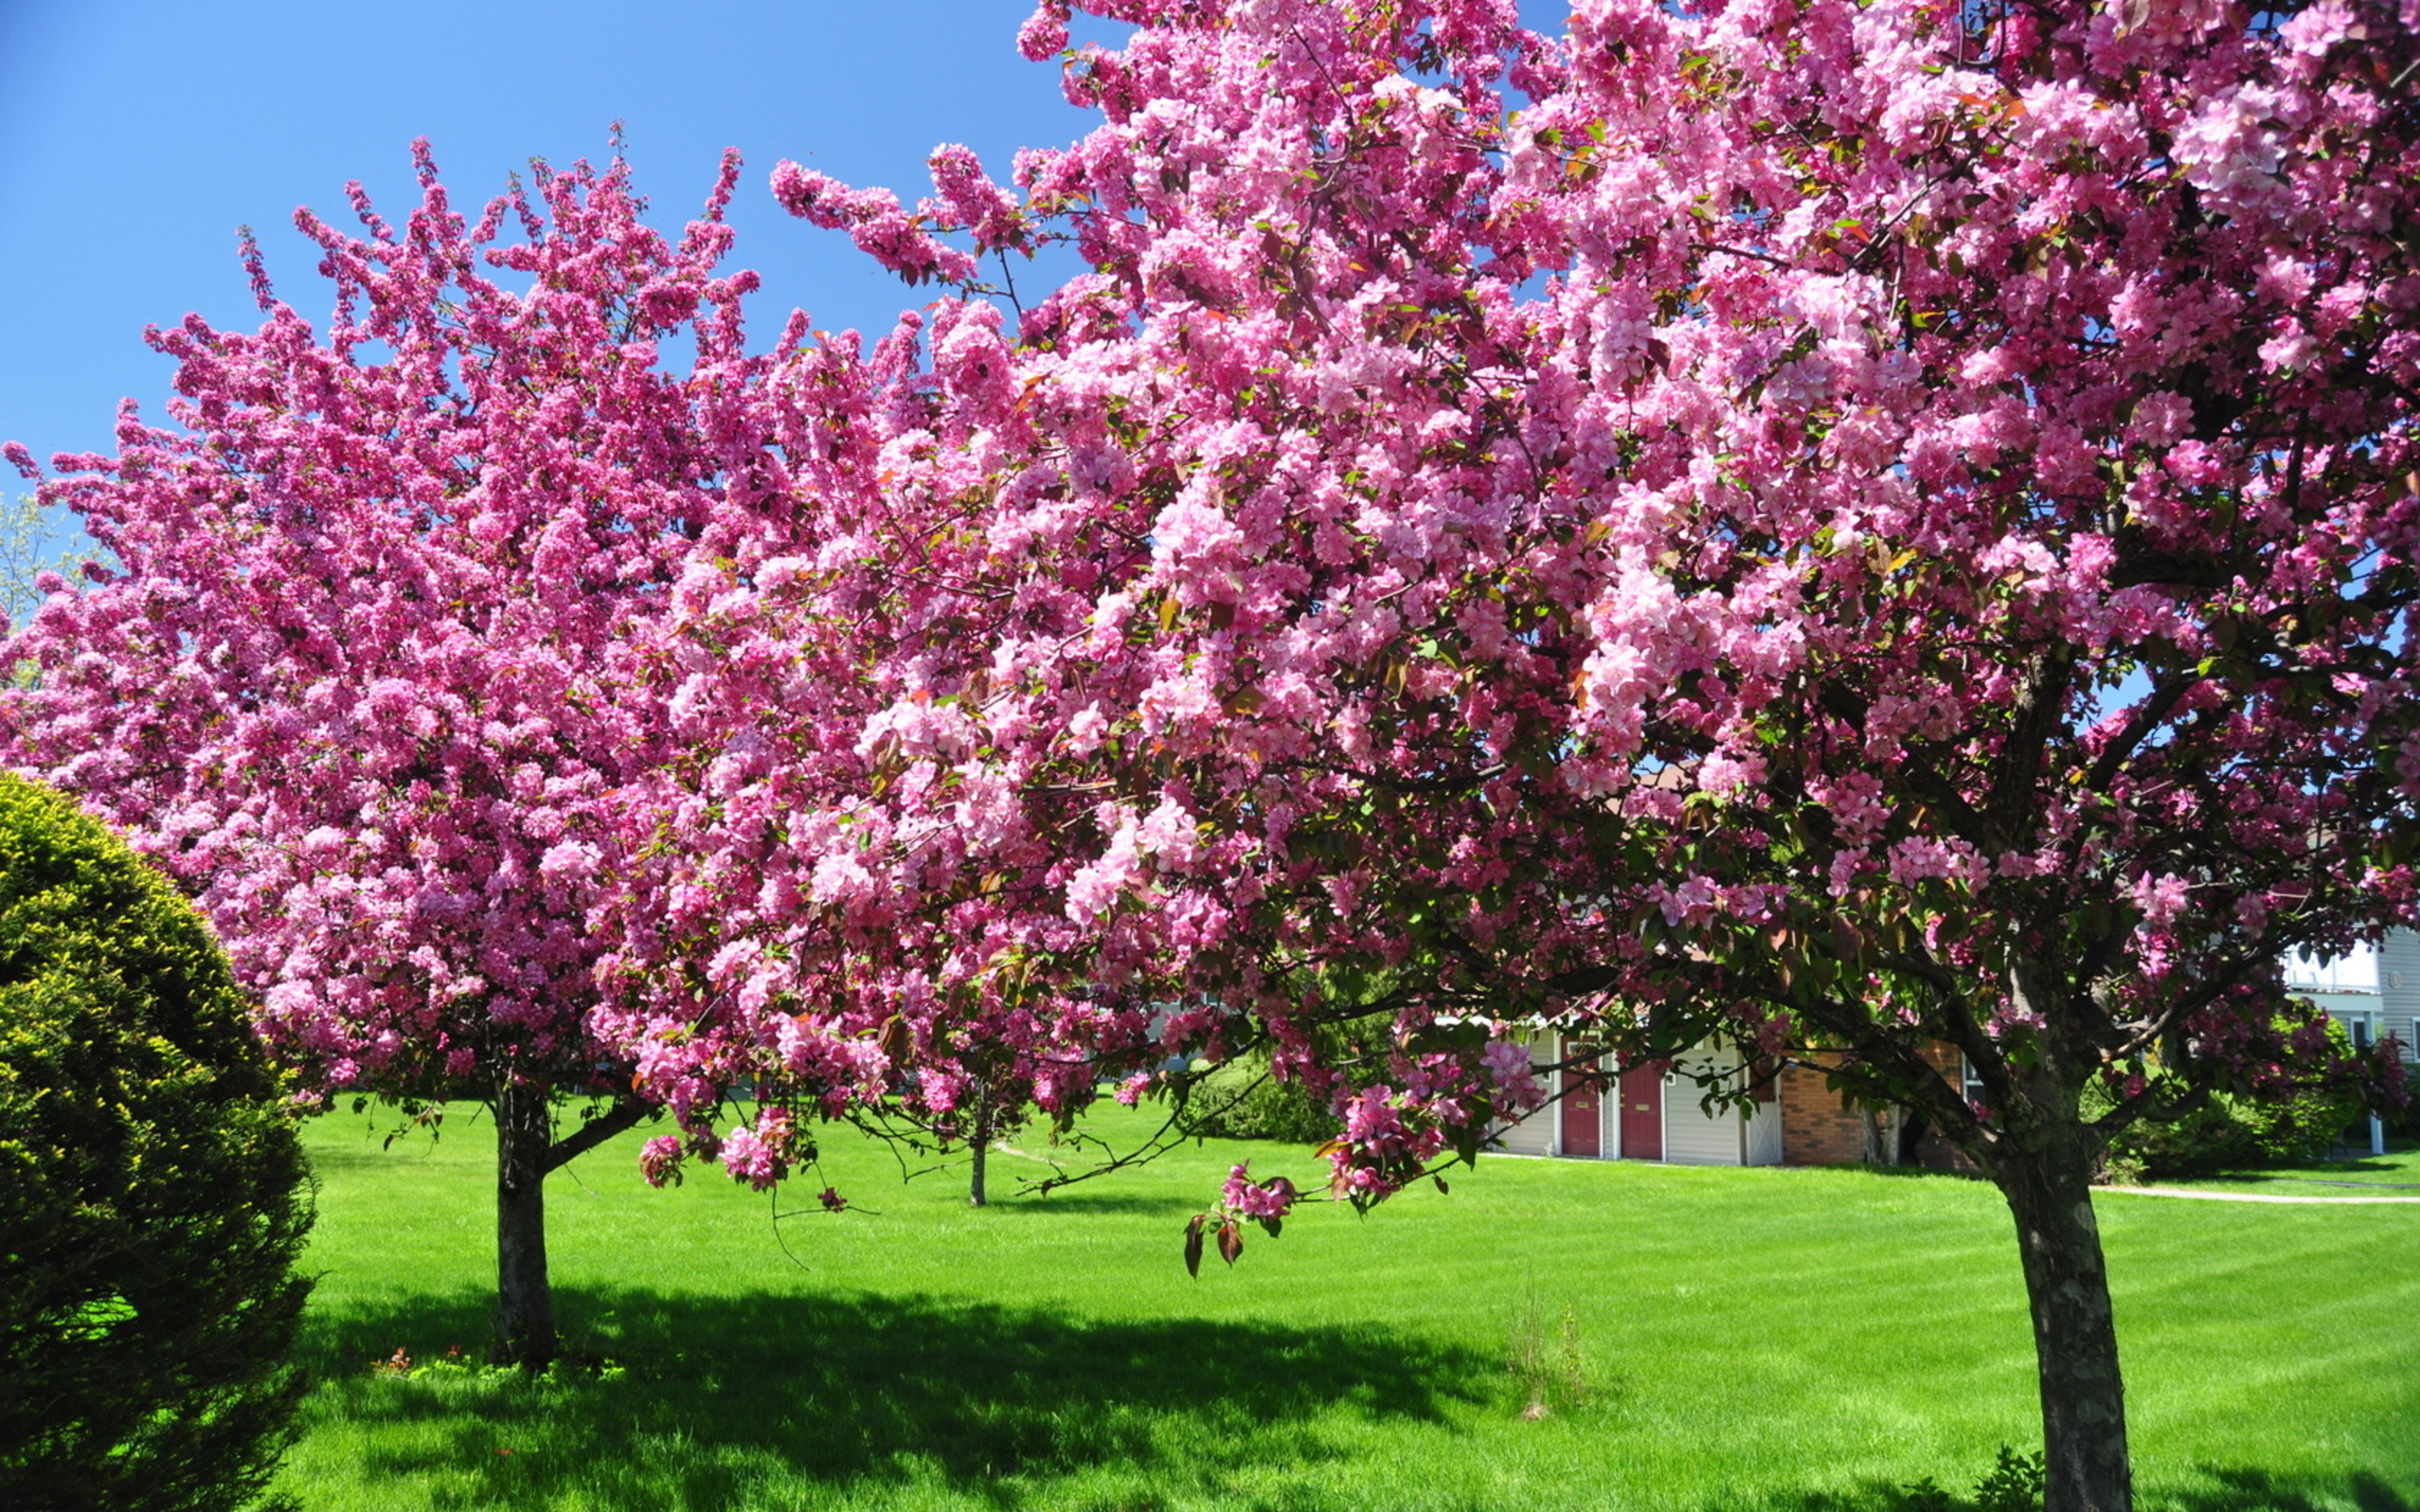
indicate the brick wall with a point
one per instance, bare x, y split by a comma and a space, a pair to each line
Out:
1815, 1128
1817, 1131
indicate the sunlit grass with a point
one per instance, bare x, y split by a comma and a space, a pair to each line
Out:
1783, 1339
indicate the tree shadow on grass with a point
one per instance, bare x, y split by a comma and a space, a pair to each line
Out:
2225, 1490
708, 1401
1176, 1208
1867, 1496
2237, 1490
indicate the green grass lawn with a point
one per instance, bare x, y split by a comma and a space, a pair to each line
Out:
1793, 1340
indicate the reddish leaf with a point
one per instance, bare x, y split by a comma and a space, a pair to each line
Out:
1193, 1247
1231, 1241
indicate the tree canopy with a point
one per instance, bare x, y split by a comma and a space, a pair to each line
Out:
366, 675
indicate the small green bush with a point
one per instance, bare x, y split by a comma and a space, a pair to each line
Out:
1241, 1100
2232, 1134
153, 1195
2013, 1483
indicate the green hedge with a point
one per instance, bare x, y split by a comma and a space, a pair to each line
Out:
2232, 1134
153, 1196
1242, 1101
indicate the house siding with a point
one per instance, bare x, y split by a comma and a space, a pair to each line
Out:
1692, 1136
1534, 1133
1530, 1135
2399, 989
2380, 984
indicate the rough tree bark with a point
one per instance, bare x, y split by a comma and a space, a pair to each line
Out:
1885, 1145
2075, 1334
2043, 1165
2034, 1144
976, 1197
525, 1314
525, 1151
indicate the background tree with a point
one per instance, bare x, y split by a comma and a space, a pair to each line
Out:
24, 557
1846, 528
154, 1200
364, 681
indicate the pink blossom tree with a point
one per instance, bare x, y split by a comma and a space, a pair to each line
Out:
855, 885
1832, 526
369, 675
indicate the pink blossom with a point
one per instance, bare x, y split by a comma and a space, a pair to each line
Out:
1251, 1199
2162, 899
1515, 1081
750, 1159
1045, 32
1371, 1119
777, 1131
660, 1160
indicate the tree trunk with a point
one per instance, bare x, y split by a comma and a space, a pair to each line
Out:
975, 1196
1911, 1135
2075, 1336
1882, 1140
525, 1318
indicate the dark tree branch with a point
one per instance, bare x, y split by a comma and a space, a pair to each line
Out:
627, 1112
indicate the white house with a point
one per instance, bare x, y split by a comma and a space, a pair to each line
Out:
1651, 1112
1646, 1112
2372, 992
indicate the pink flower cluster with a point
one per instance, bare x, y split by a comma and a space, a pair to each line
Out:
660, 1160
1247, 1198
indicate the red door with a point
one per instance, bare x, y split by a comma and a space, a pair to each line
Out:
1583, 1115
1642, 1112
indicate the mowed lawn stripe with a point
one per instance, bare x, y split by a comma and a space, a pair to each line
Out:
1794, 1340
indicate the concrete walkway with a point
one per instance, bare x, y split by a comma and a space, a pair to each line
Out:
2248, 1196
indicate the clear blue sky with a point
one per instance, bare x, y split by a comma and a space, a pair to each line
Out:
137, 135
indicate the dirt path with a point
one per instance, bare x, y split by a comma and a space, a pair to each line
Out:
2249, 1197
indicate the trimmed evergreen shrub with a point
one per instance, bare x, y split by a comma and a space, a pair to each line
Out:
153, 1196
